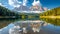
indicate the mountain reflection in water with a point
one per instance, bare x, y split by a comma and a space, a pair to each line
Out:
31, 28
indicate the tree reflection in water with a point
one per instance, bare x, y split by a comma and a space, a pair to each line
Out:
55, 22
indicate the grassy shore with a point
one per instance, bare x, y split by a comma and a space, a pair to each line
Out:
58, 17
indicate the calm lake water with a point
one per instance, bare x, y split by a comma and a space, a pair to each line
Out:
41, 27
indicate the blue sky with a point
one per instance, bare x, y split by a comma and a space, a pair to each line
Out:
45, 3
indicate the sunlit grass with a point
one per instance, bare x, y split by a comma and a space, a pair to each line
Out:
58, 17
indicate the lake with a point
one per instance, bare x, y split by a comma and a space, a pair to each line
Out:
43, 26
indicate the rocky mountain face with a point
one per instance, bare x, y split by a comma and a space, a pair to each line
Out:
32, 8
21, 8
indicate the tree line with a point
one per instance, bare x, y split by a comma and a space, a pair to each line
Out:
53, 12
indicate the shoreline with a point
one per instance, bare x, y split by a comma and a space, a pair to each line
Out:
58, 17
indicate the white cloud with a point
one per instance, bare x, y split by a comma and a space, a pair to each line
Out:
36, 3
1, 4
17, 1
24, 2
14, 3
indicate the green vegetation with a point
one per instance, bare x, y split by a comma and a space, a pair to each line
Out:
47, 16
6, 12
53, 12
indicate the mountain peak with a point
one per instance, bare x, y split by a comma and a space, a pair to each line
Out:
21, 8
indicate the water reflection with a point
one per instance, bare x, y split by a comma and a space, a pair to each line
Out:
55, 22
30, 27
15, 30
26, 26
